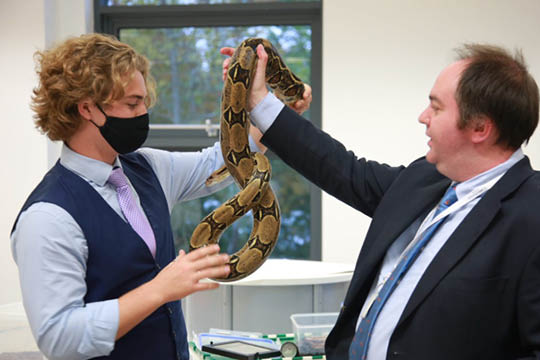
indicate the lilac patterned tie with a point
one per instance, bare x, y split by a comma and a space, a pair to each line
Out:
131, 211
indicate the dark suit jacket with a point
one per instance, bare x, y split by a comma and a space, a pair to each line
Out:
480, 296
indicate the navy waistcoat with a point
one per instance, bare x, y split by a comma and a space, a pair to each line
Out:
118, 258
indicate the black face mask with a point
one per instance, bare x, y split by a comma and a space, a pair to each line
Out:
124, 134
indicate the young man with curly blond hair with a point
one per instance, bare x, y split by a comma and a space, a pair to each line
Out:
95, 282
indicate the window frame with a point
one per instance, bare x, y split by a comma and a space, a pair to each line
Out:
111, 19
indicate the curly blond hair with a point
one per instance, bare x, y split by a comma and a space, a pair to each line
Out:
94, 66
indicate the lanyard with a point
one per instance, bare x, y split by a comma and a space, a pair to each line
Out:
429, 220
479, 191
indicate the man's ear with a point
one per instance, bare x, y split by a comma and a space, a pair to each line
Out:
85, 108
482, 128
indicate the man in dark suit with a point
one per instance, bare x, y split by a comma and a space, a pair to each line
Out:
472, 291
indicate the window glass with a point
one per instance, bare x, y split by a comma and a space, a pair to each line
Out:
292, 192
186, 64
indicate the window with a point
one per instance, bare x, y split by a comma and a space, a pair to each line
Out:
182, 40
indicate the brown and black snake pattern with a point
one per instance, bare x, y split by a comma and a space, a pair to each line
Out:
250, 170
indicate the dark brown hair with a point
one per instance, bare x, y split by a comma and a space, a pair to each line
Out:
497, 85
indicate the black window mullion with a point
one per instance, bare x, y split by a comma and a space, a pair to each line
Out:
111, 19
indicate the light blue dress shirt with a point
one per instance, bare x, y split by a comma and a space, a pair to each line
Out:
264, 114
51, 252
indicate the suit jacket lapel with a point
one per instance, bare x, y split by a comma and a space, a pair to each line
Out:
388, 223
467, 234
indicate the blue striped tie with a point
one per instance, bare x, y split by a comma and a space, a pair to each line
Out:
359, 345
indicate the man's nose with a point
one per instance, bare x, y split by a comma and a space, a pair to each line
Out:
424, 117
143, 109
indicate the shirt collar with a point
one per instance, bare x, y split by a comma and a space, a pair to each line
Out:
90, 169
465, 187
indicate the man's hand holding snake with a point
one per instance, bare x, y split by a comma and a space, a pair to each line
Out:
258, 89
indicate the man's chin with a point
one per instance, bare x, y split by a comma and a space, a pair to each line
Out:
430, 158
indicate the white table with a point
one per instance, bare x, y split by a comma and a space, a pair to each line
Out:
264, 301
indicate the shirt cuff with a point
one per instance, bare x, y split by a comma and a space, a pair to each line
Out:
104, 318
265, 113
253, 145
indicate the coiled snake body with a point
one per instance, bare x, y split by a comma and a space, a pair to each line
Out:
250, 170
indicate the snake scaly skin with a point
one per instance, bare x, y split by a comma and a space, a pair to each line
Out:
250, 170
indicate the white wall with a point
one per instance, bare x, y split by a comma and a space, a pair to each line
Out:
64, 18
26, 26
23, 149
380, 59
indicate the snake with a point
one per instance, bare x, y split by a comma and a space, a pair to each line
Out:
250, 170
